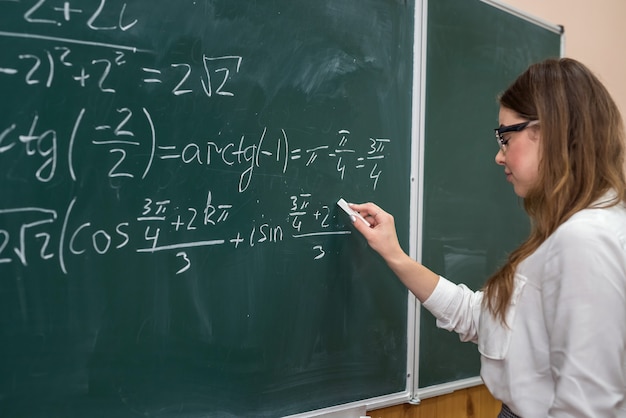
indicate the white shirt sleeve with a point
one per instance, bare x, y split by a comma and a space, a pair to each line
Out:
456, 307
584, 302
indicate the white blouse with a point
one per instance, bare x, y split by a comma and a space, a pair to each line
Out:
564, 352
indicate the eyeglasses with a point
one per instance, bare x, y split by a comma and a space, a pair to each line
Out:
501, 130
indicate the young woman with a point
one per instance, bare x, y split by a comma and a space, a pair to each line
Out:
551, 323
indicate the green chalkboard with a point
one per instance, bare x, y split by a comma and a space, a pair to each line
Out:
471, 216
169, 239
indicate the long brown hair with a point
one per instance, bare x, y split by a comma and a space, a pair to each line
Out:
582, 156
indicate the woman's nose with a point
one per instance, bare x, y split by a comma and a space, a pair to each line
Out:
500, 157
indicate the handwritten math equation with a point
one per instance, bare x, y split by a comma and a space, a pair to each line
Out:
87, 63
133, 144
34, 234
246, 153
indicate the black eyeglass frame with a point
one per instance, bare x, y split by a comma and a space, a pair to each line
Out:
499, 131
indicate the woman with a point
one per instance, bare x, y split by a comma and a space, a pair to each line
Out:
551, 323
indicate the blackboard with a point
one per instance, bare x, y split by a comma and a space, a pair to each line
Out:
169, 239
471, 217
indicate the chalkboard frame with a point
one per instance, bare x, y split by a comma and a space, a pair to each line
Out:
413, 391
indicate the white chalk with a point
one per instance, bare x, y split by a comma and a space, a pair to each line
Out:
346, 208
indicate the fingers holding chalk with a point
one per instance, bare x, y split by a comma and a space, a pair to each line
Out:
351, 212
